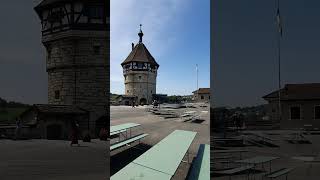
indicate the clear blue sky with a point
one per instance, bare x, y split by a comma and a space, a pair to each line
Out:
245, 49
177, 33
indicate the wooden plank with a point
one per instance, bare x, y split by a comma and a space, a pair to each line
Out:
117, 132
279, 172
122, 127
258, 159
229, 151
234, 170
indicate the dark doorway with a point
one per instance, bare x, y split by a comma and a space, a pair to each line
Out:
143, 101
100, 123
54, 131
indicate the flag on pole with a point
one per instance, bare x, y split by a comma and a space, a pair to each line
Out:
279, 22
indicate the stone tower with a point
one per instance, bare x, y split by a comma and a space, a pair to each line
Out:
140, 73
75, 34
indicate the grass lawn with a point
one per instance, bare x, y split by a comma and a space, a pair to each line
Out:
8, 115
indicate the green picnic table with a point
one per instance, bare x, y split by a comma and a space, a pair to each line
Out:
122, 128
162, 160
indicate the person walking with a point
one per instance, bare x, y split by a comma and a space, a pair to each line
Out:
75, 134
18, 127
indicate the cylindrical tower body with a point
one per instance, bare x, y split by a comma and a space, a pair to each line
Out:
140, 83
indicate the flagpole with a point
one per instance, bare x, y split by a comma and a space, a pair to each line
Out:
197, 83
279, 58
197, 76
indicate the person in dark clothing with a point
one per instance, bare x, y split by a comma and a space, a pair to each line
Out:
75, 134
18, 127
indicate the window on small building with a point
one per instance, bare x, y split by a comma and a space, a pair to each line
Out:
96, 48
127, 91
317, 112
209, 97
139, 77
295, 112
57, 94
202, 97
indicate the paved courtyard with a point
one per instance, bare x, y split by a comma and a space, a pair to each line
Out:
52, 159
287, 154
158, 128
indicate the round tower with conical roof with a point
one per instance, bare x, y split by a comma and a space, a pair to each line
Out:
140, 73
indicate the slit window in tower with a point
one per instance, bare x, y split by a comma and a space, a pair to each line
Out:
57, 94
317, 112
96, 48
49, 52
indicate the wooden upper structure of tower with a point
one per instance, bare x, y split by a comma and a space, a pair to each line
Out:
63, 15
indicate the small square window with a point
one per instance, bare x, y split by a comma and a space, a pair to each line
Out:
317, 112
96, 49
202, 97
56, 94
295, 112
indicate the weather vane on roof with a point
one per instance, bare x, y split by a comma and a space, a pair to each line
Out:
140, 34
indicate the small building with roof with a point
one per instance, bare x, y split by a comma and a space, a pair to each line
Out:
201, 95
300, 106
48, 121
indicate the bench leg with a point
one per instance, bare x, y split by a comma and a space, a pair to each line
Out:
270, 166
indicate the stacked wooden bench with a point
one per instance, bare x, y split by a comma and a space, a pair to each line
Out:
121, 129
278, 173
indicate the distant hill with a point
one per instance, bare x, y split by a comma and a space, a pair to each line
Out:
10, 110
